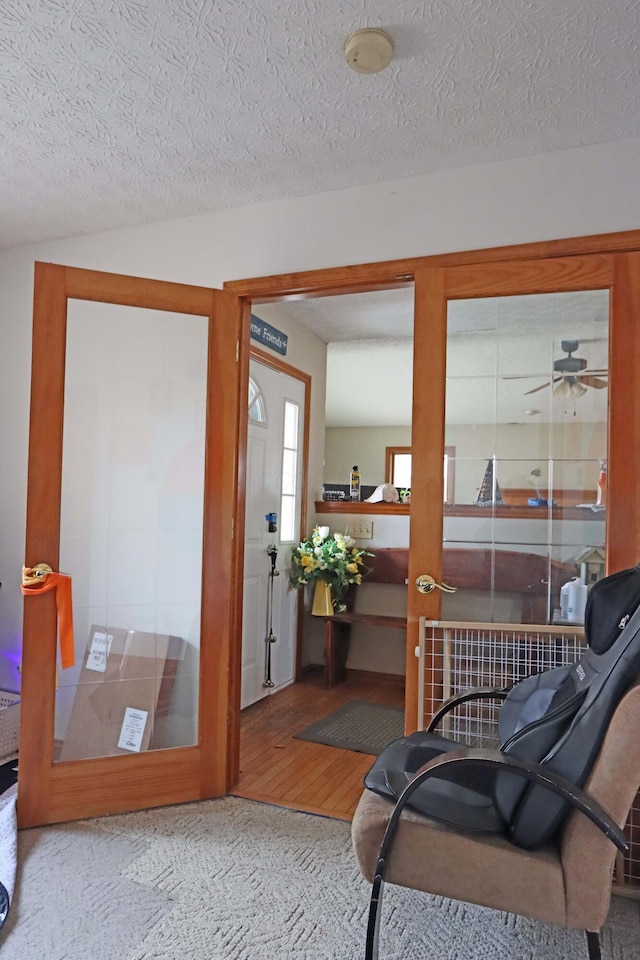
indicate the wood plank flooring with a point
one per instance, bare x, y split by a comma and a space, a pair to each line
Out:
275, 768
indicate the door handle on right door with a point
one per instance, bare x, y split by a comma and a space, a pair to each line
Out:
426, 584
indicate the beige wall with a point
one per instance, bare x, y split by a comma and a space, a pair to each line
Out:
364, 446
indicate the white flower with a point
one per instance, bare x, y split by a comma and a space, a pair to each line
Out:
323, 532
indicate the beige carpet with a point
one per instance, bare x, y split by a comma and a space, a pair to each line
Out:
235, 880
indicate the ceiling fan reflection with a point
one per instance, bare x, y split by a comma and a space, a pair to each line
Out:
573, 378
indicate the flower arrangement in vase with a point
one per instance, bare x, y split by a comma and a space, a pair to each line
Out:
328, 559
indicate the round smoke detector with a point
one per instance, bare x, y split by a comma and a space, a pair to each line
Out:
368, 51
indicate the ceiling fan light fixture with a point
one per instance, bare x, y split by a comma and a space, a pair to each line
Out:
562, 390
577, 389
369, 50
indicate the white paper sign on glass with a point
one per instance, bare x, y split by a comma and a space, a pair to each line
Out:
132, 730
99, 651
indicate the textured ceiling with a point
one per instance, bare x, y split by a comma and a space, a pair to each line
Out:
120, 112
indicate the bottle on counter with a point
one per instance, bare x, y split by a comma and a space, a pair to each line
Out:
354, 484
601, 497
573, 600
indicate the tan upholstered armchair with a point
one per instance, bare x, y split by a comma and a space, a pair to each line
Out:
567, 881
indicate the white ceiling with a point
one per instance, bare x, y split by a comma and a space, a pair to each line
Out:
132, 111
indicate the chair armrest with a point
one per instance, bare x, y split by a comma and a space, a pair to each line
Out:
534, 772
473, 693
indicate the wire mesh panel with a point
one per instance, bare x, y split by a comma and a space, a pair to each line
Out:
9, 724
461, 656
628, 867
458, 656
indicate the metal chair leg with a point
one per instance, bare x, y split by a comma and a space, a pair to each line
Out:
593, 943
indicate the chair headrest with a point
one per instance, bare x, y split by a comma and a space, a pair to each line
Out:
610, 604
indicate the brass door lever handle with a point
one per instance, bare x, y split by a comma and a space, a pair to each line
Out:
426, 584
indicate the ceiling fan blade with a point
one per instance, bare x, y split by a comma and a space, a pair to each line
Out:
601, 373
541, 387
594, 382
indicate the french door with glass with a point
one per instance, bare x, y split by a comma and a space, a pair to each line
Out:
132, 492
528, 371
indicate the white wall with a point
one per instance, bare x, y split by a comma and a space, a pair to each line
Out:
574, 192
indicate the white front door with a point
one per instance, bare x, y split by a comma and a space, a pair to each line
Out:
274, 481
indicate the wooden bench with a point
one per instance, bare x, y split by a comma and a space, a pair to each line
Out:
337, 639
389, 565
525, 575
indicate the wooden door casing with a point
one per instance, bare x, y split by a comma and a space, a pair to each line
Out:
616, 258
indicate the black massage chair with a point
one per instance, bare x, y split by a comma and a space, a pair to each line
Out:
557, 718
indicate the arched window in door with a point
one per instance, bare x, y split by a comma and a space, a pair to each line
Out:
257, 408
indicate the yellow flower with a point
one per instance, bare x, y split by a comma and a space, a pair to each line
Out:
335, 559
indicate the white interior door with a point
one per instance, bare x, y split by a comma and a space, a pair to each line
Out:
274, 482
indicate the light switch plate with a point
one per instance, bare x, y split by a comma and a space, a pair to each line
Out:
361, 529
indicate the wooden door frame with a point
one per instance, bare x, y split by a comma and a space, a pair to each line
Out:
384, 275
50, 792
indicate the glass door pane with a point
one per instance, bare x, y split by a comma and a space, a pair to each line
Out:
132, 528
526, 414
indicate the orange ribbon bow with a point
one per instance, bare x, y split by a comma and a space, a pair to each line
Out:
41, 579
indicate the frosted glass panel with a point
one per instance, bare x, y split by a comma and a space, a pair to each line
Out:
131, 528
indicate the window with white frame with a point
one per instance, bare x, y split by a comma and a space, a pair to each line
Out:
398, 469
289, 497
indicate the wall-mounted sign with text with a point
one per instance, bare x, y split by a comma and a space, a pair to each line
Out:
264, 333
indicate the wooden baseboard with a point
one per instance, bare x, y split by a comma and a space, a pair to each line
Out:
365, 674
374, 675
310, 668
